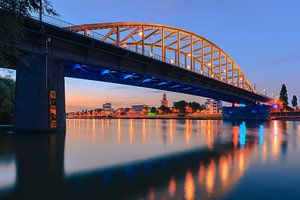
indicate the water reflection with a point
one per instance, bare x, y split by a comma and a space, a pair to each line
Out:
189, 186
144, 159
172, 187
34, 165
7, 164
151, 137
217, 175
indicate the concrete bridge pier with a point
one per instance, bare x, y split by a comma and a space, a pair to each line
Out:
40, 94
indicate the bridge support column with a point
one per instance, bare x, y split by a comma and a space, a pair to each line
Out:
34, 109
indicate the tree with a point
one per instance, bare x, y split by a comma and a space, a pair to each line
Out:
153, 110
165, 109
294, 101
181, 106
11, 20
283, 96
195, 106
7, 97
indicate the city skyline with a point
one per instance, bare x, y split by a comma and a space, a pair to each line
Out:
128, 102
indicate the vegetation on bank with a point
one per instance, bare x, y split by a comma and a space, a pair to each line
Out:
294, 101
182, 106
284, 98
7, 97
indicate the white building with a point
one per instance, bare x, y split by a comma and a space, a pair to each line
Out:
213, 106
107, 107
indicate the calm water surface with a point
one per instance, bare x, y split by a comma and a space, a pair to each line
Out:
153, 159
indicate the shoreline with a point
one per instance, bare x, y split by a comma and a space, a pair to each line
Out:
219, 117
287, 116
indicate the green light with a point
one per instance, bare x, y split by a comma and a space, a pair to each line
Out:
151, 114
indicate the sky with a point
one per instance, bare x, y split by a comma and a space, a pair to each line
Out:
263, 38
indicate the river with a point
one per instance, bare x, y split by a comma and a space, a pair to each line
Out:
153, 159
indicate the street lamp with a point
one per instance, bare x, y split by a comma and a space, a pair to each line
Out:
48, 40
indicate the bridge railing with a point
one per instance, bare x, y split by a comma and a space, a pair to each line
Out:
52, 20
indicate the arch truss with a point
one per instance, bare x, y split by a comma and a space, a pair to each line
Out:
172, 45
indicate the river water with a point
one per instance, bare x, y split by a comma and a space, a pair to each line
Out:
153, 159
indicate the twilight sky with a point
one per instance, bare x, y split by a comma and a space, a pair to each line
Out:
263, 37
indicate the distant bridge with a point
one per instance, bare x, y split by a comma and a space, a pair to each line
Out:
139, 54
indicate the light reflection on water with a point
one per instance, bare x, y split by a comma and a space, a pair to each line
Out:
7, 165
7, 173
245, 160
130, 140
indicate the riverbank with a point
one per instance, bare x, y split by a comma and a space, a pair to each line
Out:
202, 117
291, 116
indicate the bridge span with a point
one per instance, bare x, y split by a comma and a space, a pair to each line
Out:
139, 54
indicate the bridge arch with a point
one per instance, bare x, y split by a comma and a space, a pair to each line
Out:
173, 45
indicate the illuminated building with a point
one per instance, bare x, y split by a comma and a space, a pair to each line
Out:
213, 106
165, 102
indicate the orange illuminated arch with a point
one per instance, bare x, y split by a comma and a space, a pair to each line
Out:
173, 45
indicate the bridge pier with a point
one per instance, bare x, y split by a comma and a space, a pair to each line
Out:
40, 95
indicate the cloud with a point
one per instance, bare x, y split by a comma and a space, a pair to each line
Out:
282, 60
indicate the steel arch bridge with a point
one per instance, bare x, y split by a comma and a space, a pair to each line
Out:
173, 45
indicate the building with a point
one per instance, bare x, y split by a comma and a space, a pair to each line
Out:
107, 107
213, 106
164, 101
139, 108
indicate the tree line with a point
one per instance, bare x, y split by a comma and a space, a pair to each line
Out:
284, 98
181, 106
7, 98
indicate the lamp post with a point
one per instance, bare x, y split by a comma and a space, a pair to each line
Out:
48, 40
41, 11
